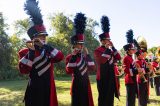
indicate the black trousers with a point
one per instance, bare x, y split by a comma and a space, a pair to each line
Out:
151, 82
106, 94
142, 94
157, 85
131, 94
157, 89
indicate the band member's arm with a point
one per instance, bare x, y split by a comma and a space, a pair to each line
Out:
90, 63
70, 64
117, 56
102, 58
25, 60
56, 55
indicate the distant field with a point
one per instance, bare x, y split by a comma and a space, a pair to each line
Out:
12, 92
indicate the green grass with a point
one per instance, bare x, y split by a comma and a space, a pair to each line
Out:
12, 92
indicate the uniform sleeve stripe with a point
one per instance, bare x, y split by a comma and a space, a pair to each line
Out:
91, 63
26, 61
71, 65
106, 55
54, 52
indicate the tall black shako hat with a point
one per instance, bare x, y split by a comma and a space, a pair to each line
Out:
130, 41
32, 9
79, 26
105, 25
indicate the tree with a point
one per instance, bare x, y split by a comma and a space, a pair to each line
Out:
5, 51
21, 26
153, 50
16, 44
122, 52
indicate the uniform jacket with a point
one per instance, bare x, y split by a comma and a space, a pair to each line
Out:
38, 64
105, 59
129, 69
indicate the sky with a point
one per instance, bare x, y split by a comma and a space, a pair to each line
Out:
142, 16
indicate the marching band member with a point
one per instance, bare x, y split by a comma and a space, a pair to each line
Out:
37, 60
105, 56
142, 79
78, 63
130, 70
156, 65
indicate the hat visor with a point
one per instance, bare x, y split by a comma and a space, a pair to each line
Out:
81, 42
43, 33
132, 48
105, 39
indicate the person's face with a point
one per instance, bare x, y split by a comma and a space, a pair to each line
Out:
144, 54
105, 41
132, 51
140, 56
41, 37
78, 46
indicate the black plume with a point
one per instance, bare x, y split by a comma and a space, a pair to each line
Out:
32, 9
80, 23
136, 44
129, 36
105, 24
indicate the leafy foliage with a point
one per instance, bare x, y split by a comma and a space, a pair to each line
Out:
5, 51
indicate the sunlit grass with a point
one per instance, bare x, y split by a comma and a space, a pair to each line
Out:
12, 92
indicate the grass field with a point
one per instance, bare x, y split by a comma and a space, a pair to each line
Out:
12, 92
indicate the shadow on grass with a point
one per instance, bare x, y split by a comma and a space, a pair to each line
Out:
14, 85
63, 104
62, 89
154, 101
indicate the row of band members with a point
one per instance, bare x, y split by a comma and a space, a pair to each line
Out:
39, 64
38, 58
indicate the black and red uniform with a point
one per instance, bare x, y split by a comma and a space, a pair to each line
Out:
79, 65
156, 79
130, 80
107, 83
143, 90
38, 64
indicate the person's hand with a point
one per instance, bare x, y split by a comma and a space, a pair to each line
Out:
85, 50
111, 44
75, 51
30, 45
38, 42
107, 45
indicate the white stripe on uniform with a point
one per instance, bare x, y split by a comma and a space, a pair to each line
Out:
39, 57
26, 61
54, 52
44, 69
40, 64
